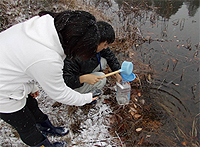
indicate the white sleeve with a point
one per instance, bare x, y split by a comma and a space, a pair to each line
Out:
48, 74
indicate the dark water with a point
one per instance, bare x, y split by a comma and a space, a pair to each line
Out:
171, 50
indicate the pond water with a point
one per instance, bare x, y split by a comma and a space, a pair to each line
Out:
171, 50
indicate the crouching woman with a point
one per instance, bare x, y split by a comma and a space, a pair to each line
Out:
33, 51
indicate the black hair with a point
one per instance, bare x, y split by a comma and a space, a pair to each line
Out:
77, 31
106, 31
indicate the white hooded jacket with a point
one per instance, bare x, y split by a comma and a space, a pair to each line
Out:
31, 51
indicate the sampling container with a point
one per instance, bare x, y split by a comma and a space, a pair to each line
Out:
123, 92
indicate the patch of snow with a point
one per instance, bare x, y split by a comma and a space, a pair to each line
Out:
93, 130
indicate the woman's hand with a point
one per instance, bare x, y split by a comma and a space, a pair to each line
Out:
94, 98
34, 95
90, 79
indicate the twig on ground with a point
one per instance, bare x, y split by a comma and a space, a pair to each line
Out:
119, 138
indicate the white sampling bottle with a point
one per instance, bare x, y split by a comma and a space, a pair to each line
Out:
123, 92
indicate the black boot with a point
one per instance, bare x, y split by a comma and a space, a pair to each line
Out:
47, 128
46, 143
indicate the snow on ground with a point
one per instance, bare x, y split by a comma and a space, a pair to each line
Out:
93, 129
94, 124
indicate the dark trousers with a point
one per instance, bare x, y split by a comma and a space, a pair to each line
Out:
24, 121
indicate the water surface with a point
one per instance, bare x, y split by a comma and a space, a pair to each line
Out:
171, 50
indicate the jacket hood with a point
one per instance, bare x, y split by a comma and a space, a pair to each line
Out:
42, 30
